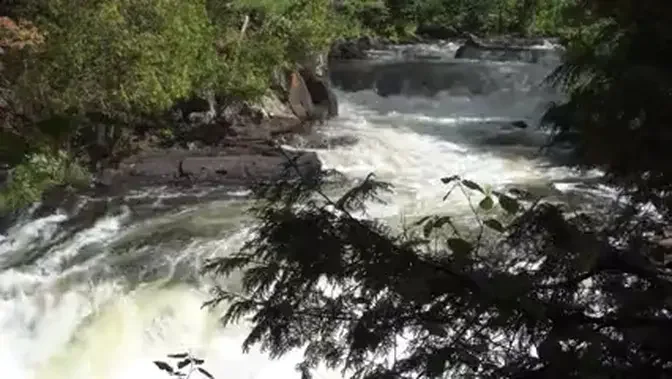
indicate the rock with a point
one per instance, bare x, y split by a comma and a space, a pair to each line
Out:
236, 166
273, 106
343, 49
471, 43
238, 112
370, 43
299, 98
318, 64
197, 108
86, 215
346, 50
279, 82
321, 94
434, 31
55, 198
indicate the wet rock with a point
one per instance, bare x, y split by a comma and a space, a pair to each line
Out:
236, 166
274, 107
321, 94
299, 97
84, 217
347, 50
197, 109
57, 198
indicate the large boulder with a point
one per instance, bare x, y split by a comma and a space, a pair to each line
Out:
299, 97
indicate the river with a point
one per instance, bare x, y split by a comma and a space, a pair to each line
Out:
106, 300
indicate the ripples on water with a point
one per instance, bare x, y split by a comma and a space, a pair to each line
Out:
107, 300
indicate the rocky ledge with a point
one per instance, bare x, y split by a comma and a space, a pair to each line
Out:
232, 167
213, 145
225, 142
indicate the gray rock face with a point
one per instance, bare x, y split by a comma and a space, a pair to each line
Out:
233, 167
299, 97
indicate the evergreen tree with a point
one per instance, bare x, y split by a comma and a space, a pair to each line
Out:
530, 289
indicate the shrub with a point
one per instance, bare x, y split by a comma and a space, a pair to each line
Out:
111, 56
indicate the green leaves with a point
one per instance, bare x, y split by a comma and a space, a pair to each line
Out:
460, 247
435, 222
509, 204
204, 372
486, 204
38, 173
187, 362
164, 366
494, 225
122, 55
472, 185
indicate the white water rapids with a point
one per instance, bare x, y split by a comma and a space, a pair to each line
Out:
106, 301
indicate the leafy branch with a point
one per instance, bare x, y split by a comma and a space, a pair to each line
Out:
184, 367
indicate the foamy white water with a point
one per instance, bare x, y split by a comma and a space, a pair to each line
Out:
107, 300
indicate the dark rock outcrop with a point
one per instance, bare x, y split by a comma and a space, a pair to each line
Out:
321, 94
296, 99
348, 49
236, 166
207, 141
196, 109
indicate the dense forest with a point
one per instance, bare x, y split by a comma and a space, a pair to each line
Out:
531, 289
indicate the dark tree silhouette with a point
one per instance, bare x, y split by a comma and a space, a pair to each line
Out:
532, 292
530, 289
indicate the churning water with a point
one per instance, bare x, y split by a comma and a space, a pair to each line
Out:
104, 301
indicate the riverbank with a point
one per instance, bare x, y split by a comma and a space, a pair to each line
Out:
124, 274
